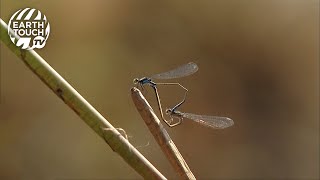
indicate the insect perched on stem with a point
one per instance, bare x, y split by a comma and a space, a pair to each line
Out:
181, 71
215, 122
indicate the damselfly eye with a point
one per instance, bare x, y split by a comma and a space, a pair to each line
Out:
168, 111
135, 81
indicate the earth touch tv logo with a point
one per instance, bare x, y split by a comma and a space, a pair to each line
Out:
31, 26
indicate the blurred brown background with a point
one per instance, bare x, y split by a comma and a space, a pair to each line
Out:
259, 65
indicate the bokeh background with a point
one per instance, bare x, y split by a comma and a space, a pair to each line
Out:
258, 64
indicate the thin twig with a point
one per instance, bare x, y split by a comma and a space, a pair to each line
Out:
161, 135
79, 105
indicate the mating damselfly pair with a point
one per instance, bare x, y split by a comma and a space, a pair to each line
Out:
181, 71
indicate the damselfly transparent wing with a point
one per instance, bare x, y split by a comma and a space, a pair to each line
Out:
210, 121
181, 71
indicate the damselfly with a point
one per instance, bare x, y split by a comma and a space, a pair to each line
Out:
215, 122
181, 71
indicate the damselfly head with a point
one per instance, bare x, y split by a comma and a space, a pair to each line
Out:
168, 111
135, 81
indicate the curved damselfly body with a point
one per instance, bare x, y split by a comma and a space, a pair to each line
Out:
181, 71
215, 122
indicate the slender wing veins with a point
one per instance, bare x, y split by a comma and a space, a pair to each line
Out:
210, 121
181, 71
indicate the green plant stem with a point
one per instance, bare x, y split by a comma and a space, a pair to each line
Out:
83, 109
